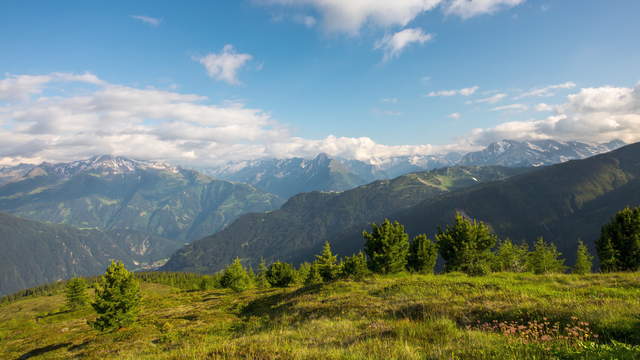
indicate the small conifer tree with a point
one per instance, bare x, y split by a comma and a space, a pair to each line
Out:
327, 263
302, 272
511, 257
584, 260
355, 266
545, 258
76, 293
387, 247
619, 243
235, 277
466, 246
423, 254
313, 277
261, 277
281, 274
117, 298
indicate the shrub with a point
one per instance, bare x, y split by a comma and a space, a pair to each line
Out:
117, 298
423, 254
235, 277
313, 277
261, 277
280, 274
355, 266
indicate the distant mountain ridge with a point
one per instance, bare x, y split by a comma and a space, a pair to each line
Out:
563, 202
33, 253
117, 193
300, 227
287, 177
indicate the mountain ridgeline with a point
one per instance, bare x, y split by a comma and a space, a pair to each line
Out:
116, 193
563, 203
287, 177
33, 253
297, 230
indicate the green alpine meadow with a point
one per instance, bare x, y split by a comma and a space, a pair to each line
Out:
320, 179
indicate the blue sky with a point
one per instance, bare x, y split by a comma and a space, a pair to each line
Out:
207, 81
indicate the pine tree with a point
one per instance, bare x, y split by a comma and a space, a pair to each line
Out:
423, 254
355, 266
76, 293
466, 246
584, 260
619, 243
387, 247
261, 278
313, 277
510, 257
281, 274
327, 263
117, 298
302, 273
235, 277
545, 258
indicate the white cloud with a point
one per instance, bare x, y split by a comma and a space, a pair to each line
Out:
470, 8
454, 116
464, 92
592, 115
349, 16
512, 107
225, 65
389, 100
188, 129
491, 99
546, 91
22, 87
394, 44
147, 19
542, 107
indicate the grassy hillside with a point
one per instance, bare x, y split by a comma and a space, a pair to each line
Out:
503, 316
296, 231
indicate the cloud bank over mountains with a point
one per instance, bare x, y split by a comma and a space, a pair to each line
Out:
38, 122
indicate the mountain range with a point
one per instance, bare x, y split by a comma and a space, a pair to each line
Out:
287, 177
33, 253
116, 193
300, 227
563, 203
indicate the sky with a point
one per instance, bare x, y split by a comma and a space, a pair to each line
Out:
205, 82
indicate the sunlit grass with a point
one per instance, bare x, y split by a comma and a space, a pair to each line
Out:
391, 317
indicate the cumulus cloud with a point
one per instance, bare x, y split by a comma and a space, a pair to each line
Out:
394, 44
189, 129
542, 107
21, 87
592, 115
547, 90
464, 92
147, 19
470, 8
224, 66
350, 16
454, 116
